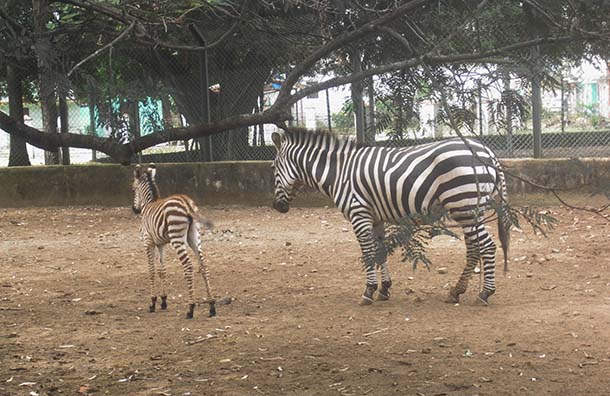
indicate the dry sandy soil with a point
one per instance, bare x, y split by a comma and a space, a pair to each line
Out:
74, 318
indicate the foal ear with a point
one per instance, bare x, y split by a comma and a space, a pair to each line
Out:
137, 172
277, 139
152, 170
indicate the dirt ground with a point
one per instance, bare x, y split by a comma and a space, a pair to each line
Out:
74, 319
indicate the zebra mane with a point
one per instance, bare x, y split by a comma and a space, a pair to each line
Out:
301, 135
152, 183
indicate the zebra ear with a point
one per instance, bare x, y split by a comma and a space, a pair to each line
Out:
277, 139
137, 172
152, 171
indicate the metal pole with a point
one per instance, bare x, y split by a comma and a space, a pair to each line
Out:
357, 96
563, 107
92, 123
206, 142
480, 100
328, 116
536, 117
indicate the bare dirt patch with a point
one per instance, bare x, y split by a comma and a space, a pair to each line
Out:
74, 320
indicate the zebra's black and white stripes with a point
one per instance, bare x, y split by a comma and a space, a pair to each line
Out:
174, 220
373, 185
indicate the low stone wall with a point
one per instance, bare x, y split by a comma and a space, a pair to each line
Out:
229, 183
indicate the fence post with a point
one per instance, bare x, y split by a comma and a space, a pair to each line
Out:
357, 96
536, 109
206, 142
92, 125
328, 115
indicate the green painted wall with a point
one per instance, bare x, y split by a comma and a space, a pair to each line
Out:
242, 183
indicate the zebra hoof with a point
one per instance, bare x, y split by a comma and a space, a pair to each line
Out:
366, 300
189, 314
484, 295
153, 303
163, 302
382, 297
453, 297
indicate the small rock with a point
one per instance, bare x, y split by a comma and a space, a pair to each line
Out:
426, 350
225, 300
529, 275
442, 270
288, 244
92, 312
554, 250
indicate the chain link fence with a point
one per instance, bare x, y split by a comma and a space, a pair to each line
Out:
135, 90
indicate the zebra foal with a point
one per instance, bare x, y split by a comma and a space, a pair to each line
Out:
374, 185
174, 220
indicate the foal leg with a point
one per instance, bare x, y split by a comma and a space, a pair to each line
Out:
180, 246
161, 274
194, 241
381, 258
150, 254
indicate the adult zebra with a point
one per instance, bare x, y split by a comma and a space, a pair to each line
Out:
373, 185
174, 220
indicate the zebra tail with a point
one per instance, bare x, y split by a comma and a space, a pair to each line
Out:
503, 220
204, 222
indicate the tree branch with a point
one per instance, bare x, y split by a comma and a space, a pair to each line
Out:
100, 50
339, 42
124, 152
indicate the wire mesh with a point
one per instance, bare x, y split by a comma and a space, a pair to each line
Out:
134, 90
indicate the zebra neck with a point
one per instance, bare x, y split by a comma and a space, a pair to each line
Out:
148, 195
323, 166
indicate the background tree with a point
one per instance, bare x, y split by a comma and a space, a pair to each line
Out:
432, 43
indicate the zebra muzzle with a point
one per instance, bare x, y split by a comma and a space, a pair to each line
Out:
281, 206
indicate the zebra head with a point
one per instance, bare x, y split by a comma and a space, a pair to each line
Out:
144, 187
284, 172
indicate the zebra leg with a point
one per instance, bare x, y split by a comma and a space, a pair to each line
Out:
368, 247
472, 258
488, 256
194, 242
381, 258
187, 268
161, 274
479, 246
150, 253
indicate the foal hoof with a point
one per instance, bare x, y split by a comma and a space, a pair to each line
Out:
484, 295
151, 308
212, 310
382, 297
453, 297
366, 300
189, 314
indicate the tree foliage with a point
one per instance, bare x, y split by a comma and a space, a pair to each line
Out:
139, 49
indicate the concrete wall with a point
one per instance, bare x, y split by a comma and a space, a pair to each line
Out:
228, 183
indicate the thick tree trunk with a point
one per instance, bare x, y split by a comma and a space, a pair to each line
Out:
18, 155
168, 121
46, 76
